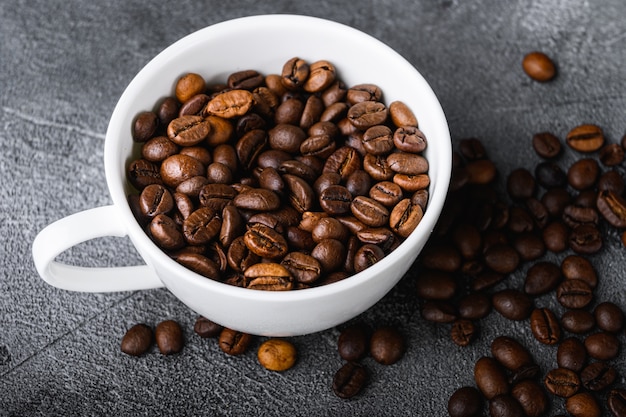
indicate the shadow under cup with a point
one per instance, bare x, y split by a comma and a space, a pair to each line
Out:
265, 43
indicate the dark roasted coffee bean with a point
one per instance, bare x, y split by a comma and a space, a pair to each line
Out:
463, 332
546, 145
386, 193
520, 184
329, 228
304, 268
612, 206
218, 173
439, 311
205, 328
233, 342
353, 342
617, 402
578, 321
555, 200
502, 258
512, 304
359, 183
441, 257
603, 346
155, 199
194, 106
202, 226
137, 340
169, 337
574, 293
409, 139
545, 326
437, 285
472, 149
611, 154
520, 220
258, 199
583, 404
562, 382
321, 146
401, 114
585, 138
239, 256
611, 181
490, 377
609, 317
387, 345
405, 217
158, 148
510, 353
249, 146
574, 215
369, 211
299, 193
480, 171
246, 79
578, 267
585, 239
142, 173
583, 173
188, 130
321, 75
465, 402
145, 126
542, 277
178, 168
531, 396
349, 380
378, 140
539, 66
335, 200
165, 232
407, 163
529, 246
475, 305
550, 175
343, 161
330, 253
167, 110
286, 137
363, 92
366, 256
571, 354
200, 264
598, 376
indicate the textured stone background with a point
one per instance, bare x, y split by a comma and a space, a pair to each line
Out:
63, 65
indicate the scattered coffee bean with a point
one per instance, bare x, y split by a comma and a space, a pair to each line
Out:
465, 402
169, 337
206, 328
349, 380
277, 354
539, 66
583, 404
137, 340
562, 382
387, 345
353, 342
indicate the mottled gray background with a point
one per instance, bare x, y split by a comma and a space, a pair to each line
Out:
63, 65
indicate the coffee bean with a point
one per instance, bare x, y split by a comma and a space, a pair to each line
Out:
437, 285
200, 264
490, 377
571, 354
546, 145
387, 345
578, 321
188, 86
502, 258
510, 353
366, 256
137, 340
583, 404
578, 267
603, 346
538, 66
304, 268
541, 278
439, 311
531, 396
598, 376
169, 337
609, 317
277, 355
155, 199
165, 232
612, 206
167, 110
520, 184
330, 253
268, 276
344, 161
617, 402
366, 114
562, 382
409, 139
512, 304
178, 168
463, 332
369, 211
349, 380
574, 293
556, 236
545, 326
465, 402
206, 328
353, 342
265, 241
234, 342
585, 138
335, 199
583, 173
475, 305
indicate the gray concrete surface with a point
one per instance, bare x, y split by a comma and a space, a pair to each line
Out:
63, 65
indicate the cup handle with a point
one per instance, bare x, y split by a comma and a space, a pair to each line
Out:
77, 228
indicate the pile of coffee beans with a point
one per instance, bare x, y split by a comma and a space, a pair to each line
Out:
551, 220
280, 181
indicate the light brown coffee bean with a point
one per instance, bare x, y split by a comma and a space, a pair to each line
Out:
268, 276
539, 66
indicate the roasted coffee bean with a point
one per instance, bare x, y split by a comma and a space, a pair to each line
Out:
335, 113
462, 332
343, 161
603, 346
303, 268
480, 171
546, 145
512, 304
359, 183
265, 241
386, 193
583, 173
465, 402
439, 311
490, 377
550, 175
612, 206
366, 256
545, 326
407, 163
312, 111
321, 75
531, 396
617, 402
611, 181
475, 305
300, 169
598, 376
299, 193
286, 137
178, 168
226, 155
511, 353
188, 130
409, 139
366, 114
239, 256
335, 199
571, 354
349, 380
609, 317
329, 228
233, 342
321, 146
230, 104
574, 293
575, 215
249, 146
257, 199
502, 258
155, 199
188, 86
353, 342
405, 217
330, 253
437, 285
202, 226
539, 66
363, 92
377, 167
142, 173
578, 321
165, 232
611, 154
246, 79
167, 110
401, 114
541, 278
194, 106
137, 340
200, 264
441, 257
585, 239
387, 345
555, 200
158, 148
218, 173
369, 211
412, 183
578, 267
562, 382
277, 354
529, 246
378, 140
520, 184
585, 138
169, 337
583, 404
145, 126
206, 328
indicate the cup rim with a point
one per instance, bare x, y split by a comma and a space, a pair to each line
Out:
150, 251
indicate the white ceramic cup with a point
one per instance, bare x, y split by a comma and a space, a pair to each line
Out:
263, 43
